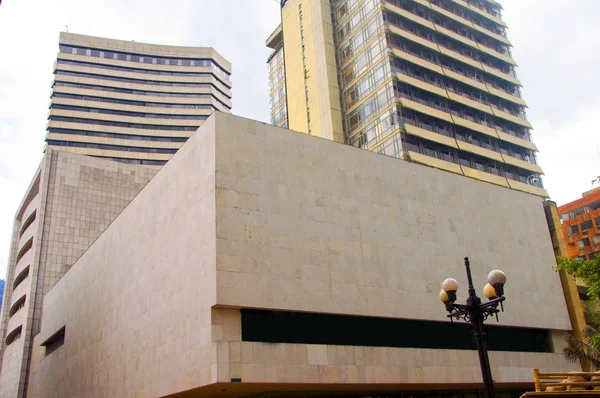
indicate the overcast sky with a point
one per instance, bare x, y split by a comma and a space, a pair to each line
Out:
555, 44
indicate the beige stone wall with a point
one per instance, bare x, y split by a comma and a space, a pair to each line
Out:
249, 215
307, 224
77, 198
149, 283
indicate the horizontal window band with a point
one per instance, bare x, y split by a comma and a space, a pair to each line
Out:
133, 69
127, 113
138, 92
316, 328
117, 135
132, 102
121, 124
211, 60
146, 162
139, 81
110, 147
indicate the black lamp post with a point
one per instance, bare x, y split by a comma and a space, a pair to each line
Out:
476, 312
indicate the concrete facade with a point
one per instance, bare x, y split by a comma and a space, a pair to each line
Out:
248, 215
70, 201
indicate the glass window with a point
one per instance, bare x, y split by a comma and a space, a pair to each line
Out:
115, 56
128, 57
179, 62
74, 51
88, 52
154, 61
101, 54
142, 59
586, 225
574, 229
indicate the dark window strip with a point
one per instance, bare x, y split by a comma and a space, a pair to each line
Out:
134, 161
121, 124
132, 102
127, 113
66, 49
313, 328
111, 147
140, 81
138, 92
144, 71
117, 135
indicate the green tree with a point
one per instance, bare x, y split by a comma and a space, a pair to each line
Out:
587, 270
587, 348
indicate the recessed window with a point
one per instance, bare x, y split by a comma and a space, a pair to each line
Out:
587, 225
26, 247
21, 277
20, 303
573, 229
55, 341
583, 243
27, 223
14, 335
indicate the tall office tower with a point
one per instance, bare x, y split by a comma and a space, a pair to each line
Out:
432, 82
132, 102
277, 80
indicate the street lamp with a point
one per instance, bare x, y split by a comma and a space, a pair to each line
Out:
476, 312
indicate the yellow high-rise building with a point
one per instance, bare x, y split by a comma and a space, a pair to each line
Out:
432, 82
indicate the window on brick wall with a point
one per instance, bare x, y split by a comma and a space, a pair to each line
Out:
586, 225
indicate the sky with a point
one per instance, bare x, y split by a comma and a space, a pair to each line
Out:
555, 45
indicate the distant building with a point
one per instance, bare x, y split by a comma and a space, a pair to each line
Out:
581, 228
432, 82
132, 102
581, 225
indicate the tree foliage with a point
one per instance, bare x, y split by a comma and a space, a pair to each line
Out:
588, 270
583, 350
587, 348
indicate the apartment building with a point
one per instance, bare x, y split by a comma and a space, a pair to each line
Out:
581, 225
432, 82
132, 102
